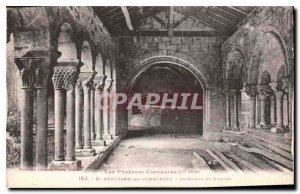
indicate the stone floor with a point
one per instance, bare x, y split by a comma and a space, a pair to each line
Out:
157, 151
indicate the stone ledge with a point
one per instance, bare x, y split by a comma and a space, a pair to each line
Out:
85, 152
101, 155
66, 165
234, 132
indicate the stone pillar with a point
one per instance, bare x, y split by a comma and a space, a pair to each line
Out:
278, 94
92, 98
112, 110
87, 83
235, 110
251, 91
99, 86
42, 76
227, 102
78, 114
105, 107
279, 109
287, 88
273, 110
264, 92
70, 114
31, 69
64, 78
59, 110
257, 110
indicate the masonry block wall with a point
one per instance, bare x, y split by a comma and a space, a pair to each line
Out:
265, 38
204, 53
25, 32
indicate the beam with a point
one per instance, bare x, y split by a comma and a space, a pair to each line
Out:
127, 33
127, 17
128, 22
190, 11
171, 21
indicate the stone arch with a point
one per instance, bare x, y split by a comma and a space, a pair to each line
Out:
147, 63
182, 60
266, 38
86, 57
66, 43
99, 64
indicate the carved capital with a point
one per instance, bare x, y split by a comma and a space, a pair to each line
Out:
100, 83
78, 86
264, 91
88, 82
110, 85
27, 67
279, 94
285, 85
65, 75
251, 90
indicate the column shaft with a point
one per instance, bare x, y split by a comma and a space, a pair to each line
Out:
273, 110
93, 132
26, 128
78, 119
258, 110
42, 127
59, 124
279, 113
98, 116
252, 113
262, 111
105, 112
228, 123
70, 136
87, 120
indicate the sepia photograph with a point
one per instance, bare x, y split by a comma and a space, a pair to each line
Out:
150, 96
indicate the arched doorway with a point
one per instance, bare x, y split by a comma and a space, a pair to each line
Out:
169, 76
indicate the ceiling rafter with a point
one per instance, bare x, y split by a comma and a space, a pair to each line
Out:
222, 19
190, 11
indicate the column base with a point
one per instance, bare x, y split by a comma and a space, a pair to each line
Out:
264, 126
227, 128
85, 152
99, 143
107, 137
66, 165
276, 130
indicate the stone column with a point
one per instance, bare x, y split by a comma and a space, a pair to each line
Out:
92, 98
287, 88
70, 114
264, 92
99, 86
273, 110
78, 114
112, 110
227, 102
87, 143
27, 68
257, 109
105, 107
59, 109
42, 76
251, 91
278, 94
279, 109
64, 78
235, 110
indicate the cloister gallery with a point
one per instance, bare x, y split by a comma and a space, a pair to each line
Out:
64, 63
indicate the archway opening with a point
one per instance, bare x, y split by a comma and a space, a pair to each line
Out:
168, 81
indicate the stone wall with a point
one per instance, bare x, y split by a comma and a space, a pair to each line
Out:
265, 39
203, 53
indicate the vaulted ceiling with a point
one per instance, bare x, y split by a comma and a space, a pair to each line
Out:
209, 21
